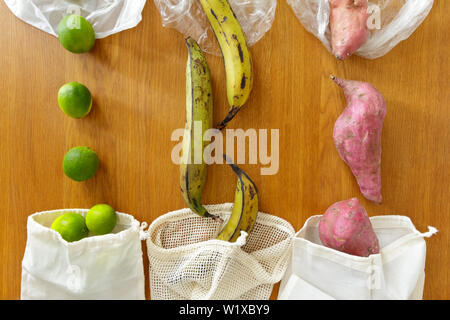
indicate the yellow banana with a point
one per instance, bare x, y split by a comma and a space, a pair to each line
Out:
245, 207
236, 55
199, 112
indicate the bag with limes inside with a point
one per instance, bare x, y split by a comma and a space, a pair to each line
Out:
82, 254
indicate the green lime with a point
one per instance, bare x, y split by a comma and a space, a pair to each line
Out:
80, 163
71, 226
75, 100
76, 34
101, 219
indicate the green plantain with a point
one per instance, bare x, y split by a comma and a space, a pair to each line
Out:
235, 52
199, 118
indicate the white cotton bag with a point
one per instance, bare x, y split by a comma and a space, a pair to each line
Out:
187, 262
317, 272
96, 267
106, 16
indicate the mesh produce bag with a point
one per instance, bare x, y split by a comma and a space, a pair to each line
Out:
187, 16
187, 262
317, 272
398, 20
98, 267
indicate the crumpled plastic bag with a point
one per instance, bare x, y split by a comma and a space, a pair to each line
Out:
106, 16
187, 16
398, 20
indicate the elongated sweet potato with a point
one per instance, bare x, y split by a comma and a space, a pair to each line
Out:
346, 227
357, 135
348, 24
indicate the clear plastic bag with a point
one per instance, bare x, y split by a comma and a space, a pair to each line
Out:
398, 20
106, 16
187, 16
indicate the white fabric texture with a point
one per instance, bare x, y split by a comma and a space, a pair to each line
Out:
106, 16
187, 262
97, 267
317, 272
399, 19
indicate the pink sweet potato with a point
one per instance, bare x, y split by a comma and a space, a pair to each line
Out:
357, 135
348, 24
346, 227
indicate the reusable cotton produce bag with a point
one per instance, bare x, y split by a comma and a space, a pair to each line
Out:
397, 272
106, 16
187, 262
99, 267
398, 20
187, 16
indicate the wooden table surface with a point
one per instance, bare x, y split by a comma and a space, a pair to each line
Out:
137, 78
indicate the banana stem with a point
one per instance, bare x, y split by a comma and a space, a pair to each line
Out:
214, 217
228, 118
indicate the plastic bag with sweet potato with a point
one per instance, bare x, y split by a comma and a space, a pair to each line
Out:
348, 24
368, 28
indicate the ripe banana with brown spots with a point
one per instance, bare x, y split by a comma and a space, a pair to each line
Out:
236, 55
245, 207
199, 111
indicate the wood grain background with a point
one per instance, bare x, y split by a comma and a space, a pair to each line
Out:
137, 78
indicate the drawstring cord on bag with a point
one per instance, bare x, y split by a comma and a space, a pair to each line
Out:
242, 240
430, 232
143, 235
